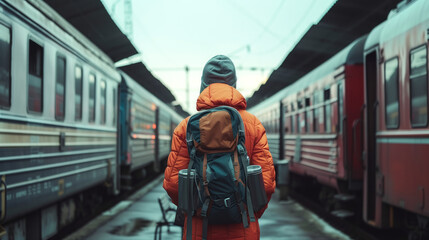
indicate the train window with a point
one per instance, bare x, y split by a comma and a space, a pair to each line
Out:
103, 102
418, 87
130, 115
60, 88
285, 111
327, 98
35, 77
316, 111
91, 97
315, 120
78, 78
4, 67
391, 93
299, 103
114, 107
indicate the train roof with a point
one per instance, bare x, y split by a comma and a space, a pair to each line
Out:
407, 15
374, 37
346, 21
140, 73
54, 23
92, 20
45, 21
352, 54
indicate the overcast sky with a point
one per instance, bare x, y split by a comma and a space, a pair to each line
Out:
256, 35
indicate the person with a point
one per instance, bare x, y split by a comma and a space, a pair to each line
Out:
218, 84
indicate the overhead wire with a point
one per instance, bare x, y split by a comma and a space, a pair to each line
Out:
283, 40
265, 27
255, 20
153, 42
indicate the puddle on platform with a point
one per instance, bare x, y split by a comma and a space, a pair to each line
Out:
130, 228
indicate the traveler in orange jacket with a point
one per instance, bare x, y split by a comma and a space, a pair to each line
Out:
218, 88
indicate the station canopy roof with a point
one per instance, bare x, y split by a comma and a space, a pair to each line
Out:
92, 19
144, 77
346, 21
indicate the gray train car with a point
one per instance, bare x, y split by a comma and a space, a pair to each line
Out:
58, 123
167, 121
146, 127
70, 124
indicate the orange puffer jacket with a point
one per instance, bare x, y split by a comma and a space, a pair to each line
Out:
214, 95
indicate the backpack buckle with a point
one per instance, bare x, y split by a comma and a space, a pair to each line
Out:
227, 202
242, 133
193, 153
240, 149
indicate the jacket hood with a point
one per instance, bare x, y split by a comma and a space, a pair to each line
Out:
219, 69
220, 94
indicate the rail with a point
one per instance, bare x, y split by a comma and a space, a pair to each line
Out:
3, 207
3, 189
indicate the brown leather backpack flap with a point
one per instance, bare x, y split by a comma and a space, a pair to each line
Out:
216, 133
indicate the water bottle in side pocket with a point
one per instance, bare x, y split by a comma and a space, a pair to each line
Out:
256, 186
185, 199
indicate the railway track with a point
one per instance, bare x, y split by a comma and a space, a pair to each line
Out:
103, 204
353, 228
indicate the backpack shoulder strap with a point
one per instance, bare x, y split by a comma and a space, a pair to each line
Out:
245, 163
192, 152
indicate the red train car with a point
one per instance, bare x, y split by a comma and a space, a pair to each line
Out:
396, 134
357, 128
320, 110
313, 124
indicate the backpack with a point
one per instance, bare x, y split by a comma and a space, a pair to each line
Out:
218, 157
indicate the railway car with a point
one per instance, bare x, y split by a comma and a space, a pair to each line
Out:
358, 125
395, 119
167, 121
146, 127
311, 122
138, 128
70, 124
58, 120
320, 114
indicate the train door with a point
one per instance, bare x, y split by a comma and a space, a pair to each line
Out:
369, 155
342, 138
124, 122
116, 121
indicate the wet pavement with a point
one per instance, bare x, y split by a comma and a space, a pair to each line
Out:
136, 219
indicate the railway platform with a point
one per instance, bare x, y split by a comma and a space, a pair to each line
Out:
136, 217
